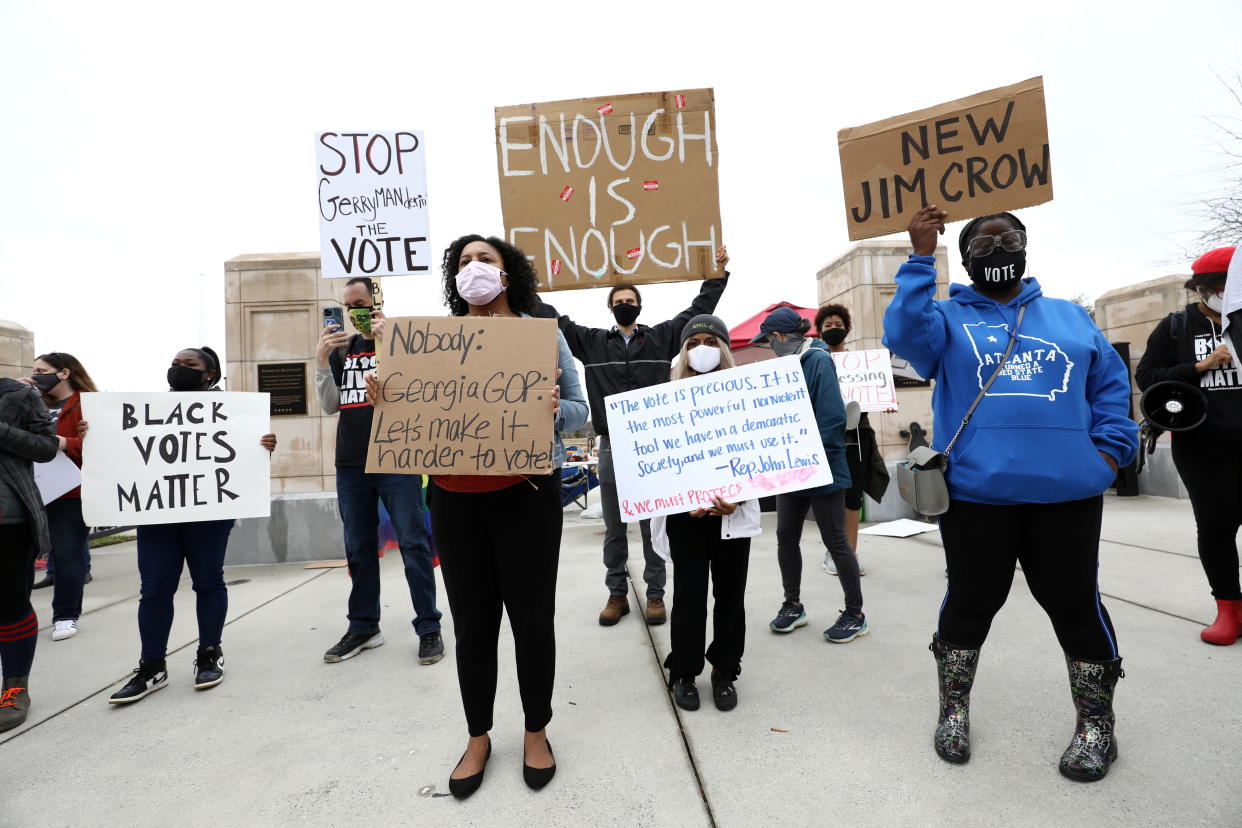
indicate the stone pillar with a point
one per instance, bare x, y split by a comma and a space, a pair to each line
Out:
1131, 313
17, 351
273, 315
861, 279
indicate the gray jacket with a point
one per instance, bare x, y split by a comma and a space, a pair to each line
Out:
27, 436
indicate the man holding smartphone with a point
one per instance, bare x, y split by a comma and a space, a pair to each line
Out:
342, 362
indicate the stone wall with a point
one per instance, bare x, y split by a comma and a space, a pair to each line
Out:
861, 279
17, 350
273, 314
1131, 313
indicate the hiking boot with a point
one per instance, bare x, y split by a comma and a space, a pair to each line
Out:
723, 691
67, 628
351, 644
617, 606
14, 702
686, 694
655, 613
848, 627
151, 675
1093, 749
789, 618
430, 648
208, 667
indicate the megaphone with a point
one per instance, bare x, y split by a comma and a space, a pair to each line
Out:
1174, 406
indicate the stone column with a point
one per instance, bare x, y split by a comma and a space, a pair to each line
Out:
17, 351
273, 314
861, 279
1131, 313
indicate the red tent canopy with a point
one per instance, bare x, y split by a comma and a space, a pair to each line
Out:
740, 336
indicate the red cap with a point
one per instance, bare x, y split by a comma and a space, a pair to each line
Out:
1213, 261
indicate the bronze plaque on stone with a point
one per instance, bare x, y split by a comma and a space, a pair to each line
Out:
286, 382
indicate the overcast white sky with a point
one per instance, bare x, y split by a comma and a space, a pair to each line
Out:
145, 144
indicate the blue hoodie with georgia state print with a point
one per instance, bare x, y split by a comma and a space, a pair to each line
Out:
1062, 398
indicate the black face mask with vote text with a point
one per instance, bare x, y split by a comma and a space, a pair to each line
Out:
998, 270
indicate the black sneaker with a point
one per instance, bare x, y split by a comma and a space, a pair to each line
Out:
430, 648
686, 694
208, 667
151, 675
723, 691
847, 628
351, 644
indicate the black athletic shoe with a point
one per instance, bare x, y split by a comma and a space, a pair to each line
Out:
351, 644
430, 648
151, 675
208, 667
723, 692
686, 694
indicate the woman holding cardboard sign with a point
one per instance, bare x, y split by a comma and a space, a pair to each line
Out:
714, 540
499, 537
163, 549
1047, 437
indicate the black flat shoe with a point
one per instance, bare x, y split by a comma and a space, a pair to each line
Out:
686, 694
462, 788
723, 692
537, 778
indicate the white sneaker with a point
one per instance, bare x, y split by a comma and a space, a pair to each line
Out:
64, 629
831, 568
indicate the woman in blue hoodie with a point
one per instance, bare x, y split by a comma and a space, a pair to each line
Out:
1027, 472
786, 332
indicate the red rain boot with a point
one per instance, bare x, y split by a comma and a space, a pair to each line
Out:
1227, 626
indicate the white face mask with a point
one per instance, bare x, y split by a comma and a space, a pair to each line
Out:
704, 358
479, 283
1213, 300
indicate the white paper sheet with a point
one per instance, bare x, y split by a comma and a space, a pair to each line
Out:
57, 476
903, 528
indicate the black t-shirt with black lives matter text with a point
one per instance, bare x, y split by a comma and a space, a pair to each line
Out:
1172, 351
353, 430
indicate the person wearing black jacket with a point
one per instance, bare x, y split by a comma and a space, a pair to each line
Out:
621, 358
1187, 347
26, 436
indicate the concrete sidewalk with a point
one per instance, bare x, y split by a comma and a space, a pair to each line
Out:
823, 734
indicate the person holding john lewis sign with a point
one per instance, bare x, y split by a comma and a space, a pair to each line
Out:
182, 466
372, 203
490, 436
980, 154
1039, 401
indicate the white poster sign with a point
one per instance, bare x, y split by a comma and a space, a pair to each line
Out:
1233, 304
739, 434
57, 476
867, 377
174, 457
372, 203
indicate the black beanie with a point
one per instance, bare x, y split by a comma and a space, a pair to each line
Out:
706, 323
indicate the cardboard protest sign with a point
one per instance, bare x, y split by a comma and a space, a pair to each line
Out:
867, 377
742, 433
372, 203
978, 155
174, 457
465, 395
599, 191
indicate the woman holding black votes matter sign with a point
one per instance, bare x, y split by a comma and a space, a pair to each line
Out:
1025, 473
1187, 347
714, 540
499, 537
786, 331
162, 551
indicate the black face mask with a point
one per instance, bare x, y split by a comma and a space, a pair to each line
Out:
184, 378
835, 336
998, 270
626, 314
45, 382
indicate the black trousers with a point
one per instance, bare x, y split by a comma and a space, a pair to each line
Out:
19, 626
500, 551
697, 550
1058, 545
1210, 465
829, 510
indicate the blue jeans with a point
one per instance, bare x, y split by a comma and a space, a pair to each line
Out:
358, 495
68, 534
162, 548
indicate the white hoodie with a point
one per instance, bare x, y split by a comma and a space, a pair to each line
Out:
743, 523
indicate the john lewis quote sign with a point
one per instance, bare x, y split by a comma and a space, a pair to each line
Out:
739, 434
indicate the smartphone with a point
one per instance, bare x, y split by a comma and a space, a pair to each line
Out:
334, 316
